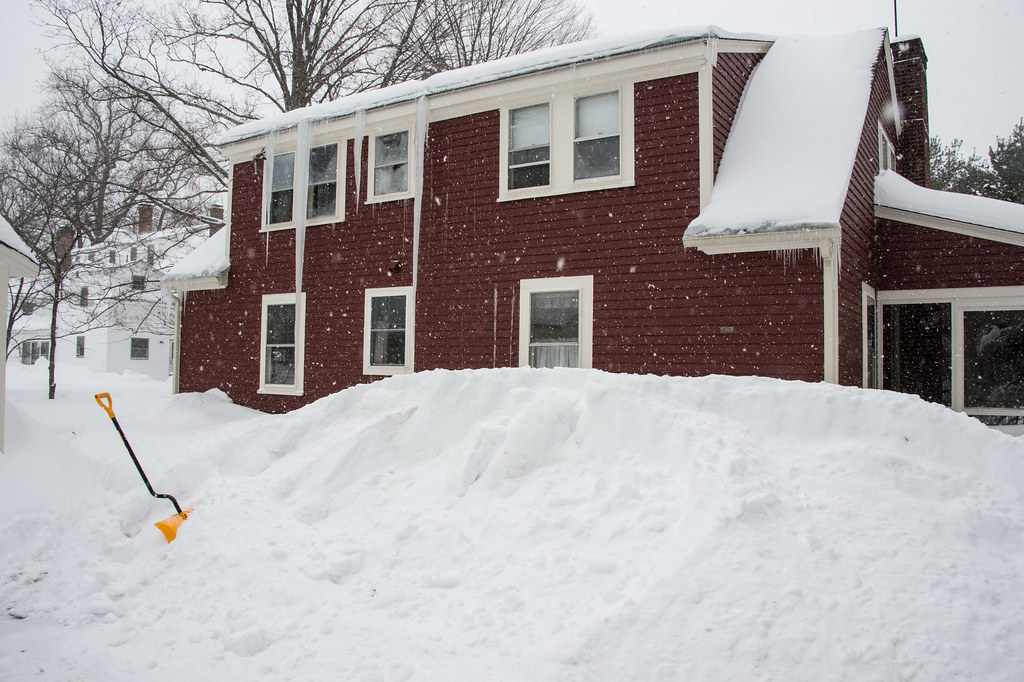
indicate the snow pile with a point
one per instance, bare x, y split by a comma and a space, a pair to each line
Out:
208, 262
512, 525
478, 74
894, 191
788, 159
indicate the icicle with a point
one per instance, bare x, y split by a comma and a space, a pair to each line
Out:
301, 191
418, 152
360, 133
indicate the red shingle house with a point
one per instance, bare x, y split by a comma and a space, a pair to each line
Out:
681, 203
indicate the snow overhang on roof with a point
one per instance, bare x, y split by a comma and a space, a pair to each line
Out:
480, 74
897, 198
205, 268
16, 252
787, 162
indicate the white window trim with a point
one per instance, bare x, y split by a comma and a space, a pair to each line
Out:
960, 300
371, 162
562, 137
300, 344
339, 207
886, 149
410, 331
868, 294
585, 285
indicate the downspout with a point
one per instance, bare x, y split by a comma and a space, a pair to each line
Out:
829, 251
705, 120
179, 302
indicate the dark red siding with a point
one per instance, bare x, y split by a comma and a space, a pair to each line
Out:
658, 308
914, 257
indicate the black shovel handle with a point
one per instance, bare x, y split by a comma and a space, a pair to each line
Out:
107, 403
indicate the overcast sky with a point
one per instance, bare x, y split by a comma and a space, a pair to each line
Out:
975, 74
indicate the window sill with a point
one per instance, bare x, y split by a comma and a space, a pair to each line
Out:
318, 222
280, 390
384, 198
593, 185
387, 371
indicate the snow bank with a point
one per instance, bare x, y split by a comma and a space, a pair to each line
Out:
788, 159
894, 191
509, 67
515, 525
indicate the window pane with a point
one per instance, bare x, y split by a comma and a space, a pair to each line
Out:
528, 127
284, 167
531, 155
994, 359
555, 355
391, 149
387, 347
281, 206
597, 158
323, 164
140, 349
280, 365
321, 200
391, 179
555, 317
281, 324
387, 312
872, 349
529, 176
917, 350
597, 115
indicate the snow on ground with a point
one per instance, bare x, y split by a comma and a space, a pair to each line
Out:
510, 525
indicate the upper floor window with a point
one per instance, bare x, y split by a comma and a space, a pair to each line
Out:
391, 164
322, 197
138, 282
886, 151
529, 146
573, 142
83, 296
596, 144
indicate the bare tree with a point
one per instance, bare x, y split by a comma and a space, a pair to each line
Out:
76, 173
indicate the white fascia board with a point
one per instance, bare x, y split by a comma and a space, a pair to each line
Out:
786, 240
889, 69
994, 234
639, 66
20, 265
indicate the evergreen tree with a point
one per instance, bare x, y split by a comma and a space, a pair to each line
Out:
1007, 159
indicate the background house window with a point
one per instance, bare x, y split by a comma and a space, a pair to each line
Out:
388, 331
138, 282
529, 154
391, 164
112, 257
323, 181
596, 145
150, 255
133, 254
83, 296
140, 348
281, 189
33, 350
79, 346
556, 322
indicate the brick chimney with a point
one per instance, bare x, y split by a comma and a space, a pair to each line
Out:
910, 68
145, 218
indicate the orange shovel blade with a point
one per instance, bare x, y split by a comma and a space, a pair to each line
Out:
169, 526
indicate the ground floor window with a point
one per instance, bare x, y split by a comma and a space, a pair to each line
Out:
281, 354
140, 348
959, 347
388, 331
79, 346
556, 320
33, 350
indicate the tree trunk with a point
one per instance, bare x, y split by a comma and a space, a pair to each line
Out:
53, 338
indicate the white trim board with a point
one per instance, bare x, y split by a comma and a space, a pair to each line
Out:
993, 234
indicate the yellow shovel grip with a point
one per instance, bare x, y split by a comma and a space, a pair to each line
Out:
108, 405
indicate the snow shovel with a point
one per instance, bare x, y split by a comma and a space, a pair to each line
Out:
169, 526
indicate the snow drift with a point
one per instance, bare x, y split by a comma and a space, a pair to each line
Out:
515, 525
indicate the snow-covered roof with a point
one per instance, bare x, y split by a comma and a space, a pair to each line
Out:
203, 268
787, 162
896, 192
10, 239
478, 74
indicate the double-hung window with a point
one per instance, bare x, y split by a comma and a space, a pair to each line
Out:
529, 147
139, 348
388, 334
596, 141
556, 322
886, 151
565, 141
281, 355
391, 164
322, 194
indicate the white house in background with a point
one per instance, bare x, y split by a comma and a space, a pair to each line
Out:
16, 261
115, 317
